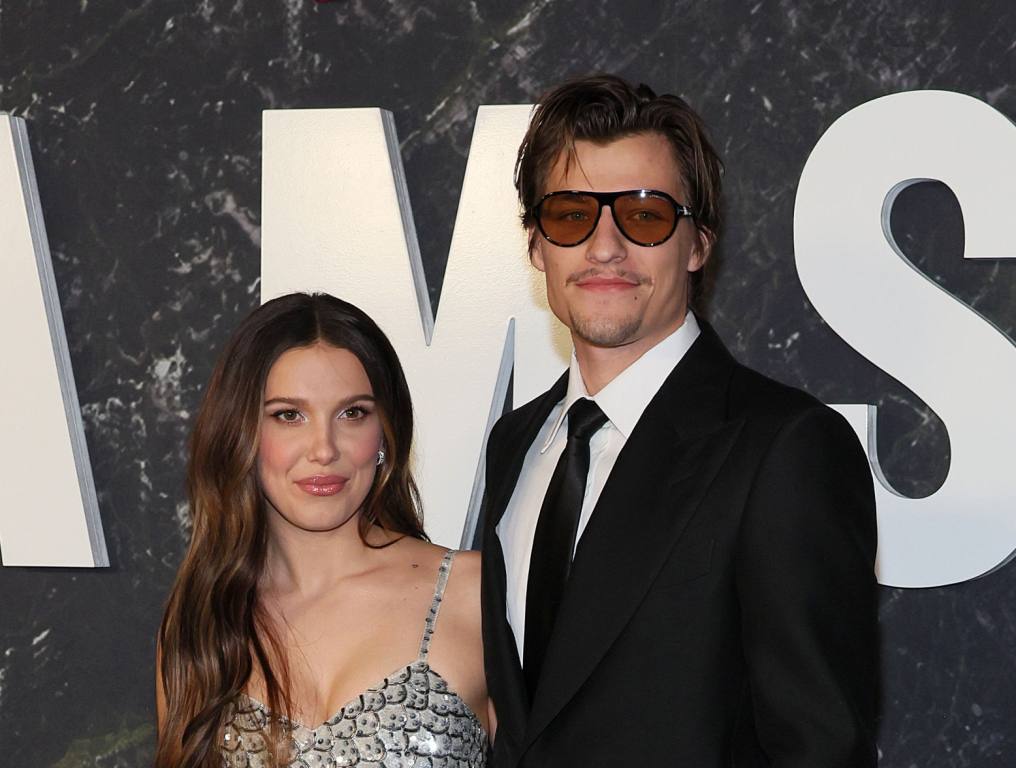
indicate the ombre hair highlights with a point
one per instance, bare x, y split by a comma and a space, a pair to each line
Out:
215, 633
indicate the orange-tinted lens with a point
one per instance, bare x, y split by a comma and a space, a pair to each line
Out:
568, 219
645, 218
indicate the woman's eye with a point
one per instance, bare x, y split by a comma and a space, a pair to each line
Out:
354, 412
288, 416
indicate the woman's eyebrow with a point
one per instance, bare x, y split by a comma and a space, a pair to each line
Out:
302, 402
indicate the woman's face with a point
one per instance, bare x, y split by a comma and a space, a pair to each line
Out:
320, 435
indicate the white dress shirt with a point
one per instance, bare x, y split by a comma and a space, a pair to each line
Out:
623, 401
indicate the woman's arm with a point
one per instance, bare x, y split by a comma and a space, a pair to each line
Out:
491, 719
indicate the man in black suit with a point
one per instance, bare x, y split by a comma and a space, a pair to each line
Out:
678, 552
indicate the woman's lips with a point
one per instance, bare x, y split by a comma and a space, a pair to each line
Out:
323, 485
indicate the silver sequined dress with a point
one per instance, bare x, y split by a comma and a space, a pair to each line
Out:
409, 720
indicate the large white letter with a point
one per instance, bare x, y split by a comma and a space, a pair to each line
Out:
49, 514
957, 361
336, 218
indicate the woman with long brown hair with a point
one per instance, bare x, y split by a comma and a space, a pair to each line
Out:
303, 629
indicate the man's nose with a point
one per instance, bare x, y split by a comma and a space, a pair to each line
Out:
606, 244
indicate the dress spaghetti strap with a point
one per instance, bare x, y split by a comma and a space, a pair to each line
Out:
435, 606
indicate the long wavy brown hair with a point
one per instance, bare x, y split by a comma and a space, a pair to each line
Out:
215, 632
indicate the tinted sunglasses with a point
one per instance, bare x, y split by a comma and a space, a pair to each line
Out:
646, 217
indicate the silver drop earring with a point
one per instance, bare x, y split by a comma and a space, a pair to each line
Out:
380, 456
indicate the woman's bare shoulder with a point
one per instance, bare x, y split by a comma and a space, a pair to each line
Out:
424, 558
467, 565
464, 583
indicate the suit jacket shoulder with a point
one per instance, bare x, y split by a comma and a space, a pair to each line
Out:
769, 407
755, 395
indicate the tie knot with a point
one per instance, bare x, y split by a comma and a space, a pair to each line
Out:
584, 418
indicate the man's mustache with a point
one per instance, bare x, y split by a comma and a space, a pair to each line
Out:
621, 274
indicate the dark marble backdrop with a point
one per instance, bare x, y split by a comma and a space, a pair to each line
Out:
145, 117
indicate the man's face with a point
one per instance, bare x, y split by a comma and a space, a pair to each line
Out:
607, 290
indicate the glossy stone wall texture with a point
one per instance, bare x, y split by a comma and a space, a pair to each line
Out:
144, 117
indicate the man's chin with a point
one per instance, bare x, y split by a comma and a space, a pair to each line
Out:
606, 332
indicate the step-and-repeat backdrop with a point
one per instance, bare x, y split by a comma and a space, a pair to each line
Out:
166, 165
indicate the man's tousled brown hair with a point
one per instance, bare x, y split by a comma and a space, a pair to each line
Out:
604, 108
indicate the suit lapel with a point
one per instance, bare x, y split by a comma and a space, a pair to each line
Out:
504, 668
513, 445
651, 495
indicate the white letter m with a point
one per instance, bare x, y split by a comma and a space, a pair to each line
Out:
337, 218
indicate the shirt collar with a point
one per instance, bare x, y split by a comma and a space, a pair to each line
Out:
626, 397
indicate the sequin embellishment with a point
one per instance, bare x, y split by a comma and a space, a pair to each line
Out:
409, 720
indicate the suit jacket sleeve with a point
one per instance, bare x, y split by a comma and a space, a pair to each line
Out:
807, 593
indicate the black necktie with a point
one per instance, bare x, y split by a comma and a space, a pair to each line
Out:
555, 536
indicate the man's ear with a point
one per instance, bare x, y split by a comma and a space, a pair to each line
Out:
704, 241
536, 250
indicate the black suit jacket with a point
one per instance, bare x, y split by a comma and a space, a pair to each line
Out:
721, 608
